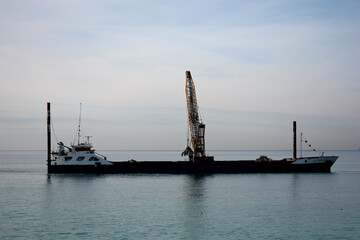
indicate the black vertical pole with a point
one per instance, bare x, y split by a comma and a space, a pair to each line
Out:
48, 138
294, 139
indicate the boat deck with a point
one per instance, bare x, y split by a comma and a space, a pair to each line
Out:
186, 167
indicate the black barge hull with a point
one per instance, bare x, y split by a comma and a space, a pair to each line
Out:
183, 167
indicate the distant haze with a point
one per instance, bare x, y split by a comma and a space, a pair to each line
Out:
257, 66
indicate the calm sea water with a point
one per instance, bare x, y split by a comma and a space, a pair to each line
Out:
34, 205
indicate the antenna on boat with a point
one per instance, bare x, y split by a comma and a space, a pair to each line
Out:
48, 137
88, 139
79, 130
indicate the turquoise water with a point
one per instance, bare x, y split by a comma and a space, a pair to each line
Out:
34, 205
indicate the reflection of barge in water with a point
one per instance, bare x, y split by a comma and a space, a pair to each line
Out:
81, 158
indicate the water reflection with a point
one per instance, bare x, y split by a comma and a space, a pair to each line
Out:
69, 186
72, 177
195, 207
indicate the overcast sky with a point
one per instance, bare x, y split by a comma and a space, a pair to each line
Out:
257, 66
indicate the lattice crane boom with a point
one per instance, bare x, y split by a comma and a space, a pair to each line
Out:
197, 128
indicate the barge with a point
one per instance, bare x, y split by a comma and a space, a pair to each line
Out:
82, 158
304, 165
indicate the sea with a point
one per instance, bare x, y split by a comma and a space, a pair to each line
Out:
36, 205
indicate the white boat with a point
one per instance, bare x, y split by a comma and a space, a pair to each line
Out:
80, 154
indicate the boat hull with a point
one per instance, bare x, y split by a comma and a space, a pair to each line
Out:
184, 167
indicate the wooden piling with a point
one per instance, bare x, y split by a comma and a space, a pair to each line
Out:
48, 137
294, 139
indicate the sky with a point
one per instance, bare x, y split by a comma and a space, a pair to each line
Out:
257, 66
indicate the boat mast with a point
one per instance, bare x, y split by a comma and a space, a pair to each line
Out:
79, 129
48, 137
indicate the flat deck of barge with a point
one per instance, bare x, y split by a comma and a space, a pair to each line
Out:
186, 167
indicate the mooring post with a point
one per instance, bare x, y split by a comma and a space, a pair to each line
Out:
48, 137
294, 139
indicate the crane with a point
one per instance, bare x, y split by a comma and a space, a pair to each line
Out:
196, 151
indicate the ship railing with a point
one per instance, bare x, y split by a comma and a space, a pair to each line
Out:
100, 155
